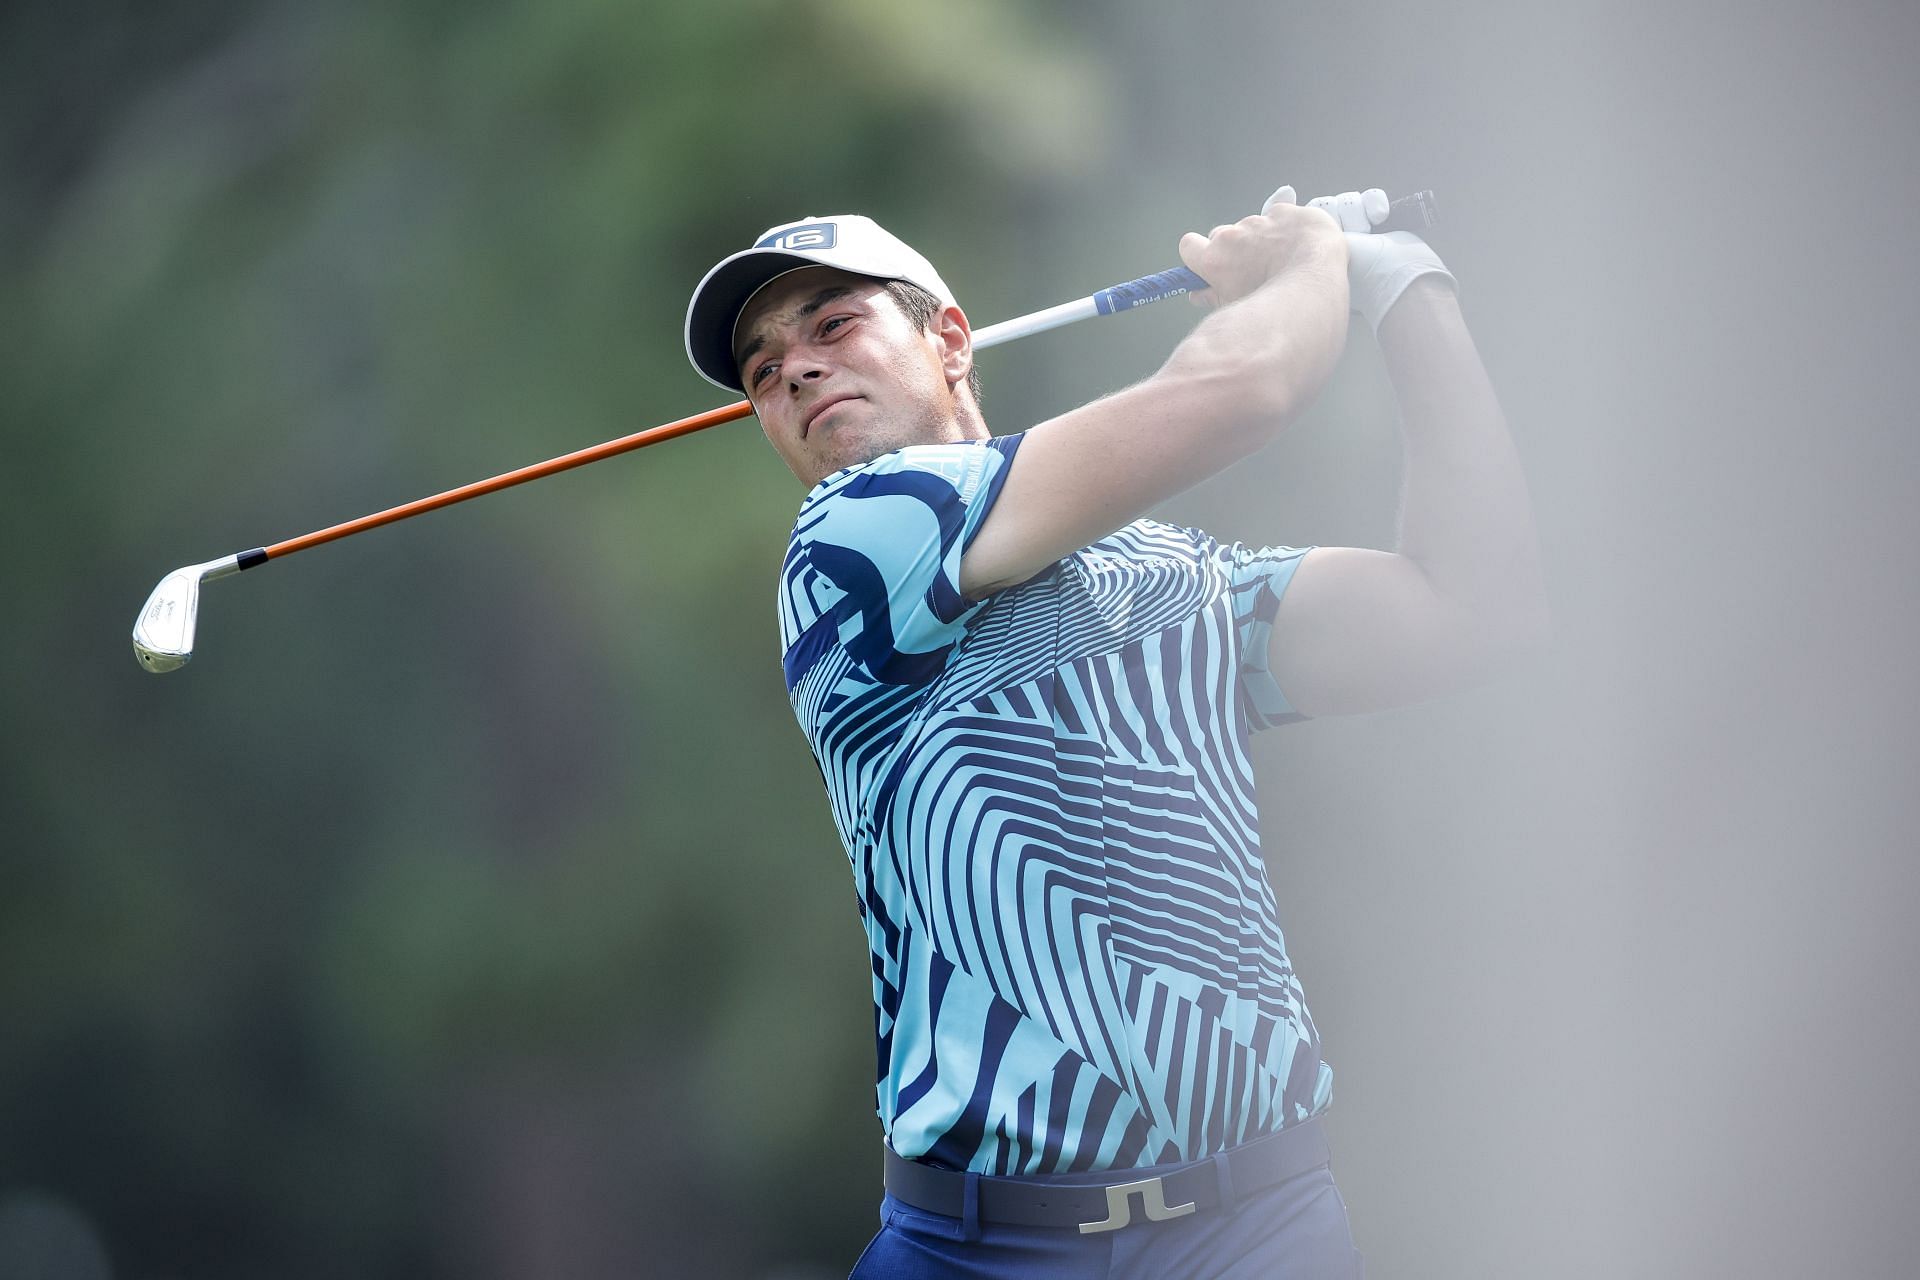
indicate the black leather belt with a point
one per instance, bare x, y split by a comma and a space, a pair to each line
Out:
1108, 1206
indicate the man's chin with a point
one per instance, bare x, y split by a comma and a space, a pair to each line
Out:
853, 448
851, 452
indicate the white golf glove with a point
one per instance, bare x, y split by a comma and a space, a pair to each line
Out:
1379, 266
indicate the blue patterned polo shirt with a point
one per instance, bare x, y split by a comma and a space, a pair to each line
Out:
1048, 806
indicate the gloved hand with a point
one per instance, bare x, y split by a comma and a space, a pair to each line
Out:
1379, 266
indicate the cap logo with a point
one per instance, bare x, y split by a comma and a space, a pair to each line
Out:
815, 235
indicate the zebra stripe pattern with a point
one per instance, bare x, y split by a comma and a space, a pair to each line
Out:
1048, 807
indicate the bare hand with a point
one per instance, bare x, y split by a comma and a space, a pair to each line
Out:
1237, 259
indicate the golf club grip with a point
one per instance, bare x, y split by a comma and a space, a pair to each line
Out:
1157, 287
1409, 213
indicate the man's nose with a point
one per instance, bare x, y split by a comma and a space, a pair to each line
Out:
802, 369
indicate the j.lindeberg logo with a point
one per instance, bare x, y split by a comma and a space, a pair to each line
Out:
815, 235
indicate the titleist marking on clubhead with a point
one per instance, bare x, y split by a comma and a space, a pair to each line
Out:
163, 629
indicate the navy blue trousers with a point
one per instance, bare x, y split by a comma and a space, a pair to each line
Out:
1294, 1230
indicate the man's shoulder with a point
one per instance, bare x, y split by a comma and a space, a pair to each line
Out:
930, 471
883, 539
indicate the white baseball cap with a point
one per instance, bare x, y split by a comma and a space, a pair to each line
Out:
847, 241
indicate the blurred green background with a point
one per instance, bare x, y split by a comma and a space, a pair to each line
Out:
470, 907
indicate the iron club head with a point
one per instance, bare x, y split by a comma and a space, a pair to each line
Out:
163, 632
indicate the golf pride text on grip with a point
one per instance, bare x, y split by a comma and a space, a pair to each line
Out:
1157, 287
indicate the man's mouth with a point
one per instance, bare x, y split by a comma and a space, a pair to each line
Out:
814, 414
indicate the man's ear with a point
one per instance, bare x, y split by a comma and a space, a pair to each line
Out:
955, 338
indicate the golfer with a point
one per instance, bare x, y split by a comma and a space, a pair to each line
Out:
1030, 706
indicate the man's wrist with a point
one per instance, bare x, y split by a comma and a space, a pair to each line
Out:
1384, 267
1424, 320
1323, 264
1329, 254
1430, 296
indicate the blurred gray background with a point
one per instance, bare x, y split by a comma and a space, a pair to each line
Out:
469, 907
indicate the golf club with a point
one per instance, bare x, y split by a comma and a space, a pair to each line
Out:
164, 629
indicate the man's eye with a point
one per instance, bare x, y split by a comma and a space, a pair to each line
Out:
833, 323
760, 374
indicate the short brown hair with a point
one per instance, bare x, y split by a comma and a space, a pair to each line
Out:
922, 308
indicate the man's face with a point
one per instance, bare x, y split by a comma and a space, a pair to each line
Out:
839, 375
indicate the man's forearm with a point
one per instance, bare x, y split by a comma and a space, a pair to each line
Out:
1256, 363
1237, 379
1466, 520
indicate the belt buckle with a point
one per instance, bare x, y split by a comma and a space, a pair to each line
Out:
1153, 1201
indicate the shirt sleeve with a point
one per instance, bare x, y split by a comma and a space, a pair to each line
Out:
1258, 578
889, 536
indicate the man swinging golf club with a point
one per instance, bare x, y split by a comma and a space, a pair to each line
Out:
1031, 706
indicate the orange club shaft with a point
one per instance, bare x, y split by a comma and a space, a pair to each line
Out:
506, 480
